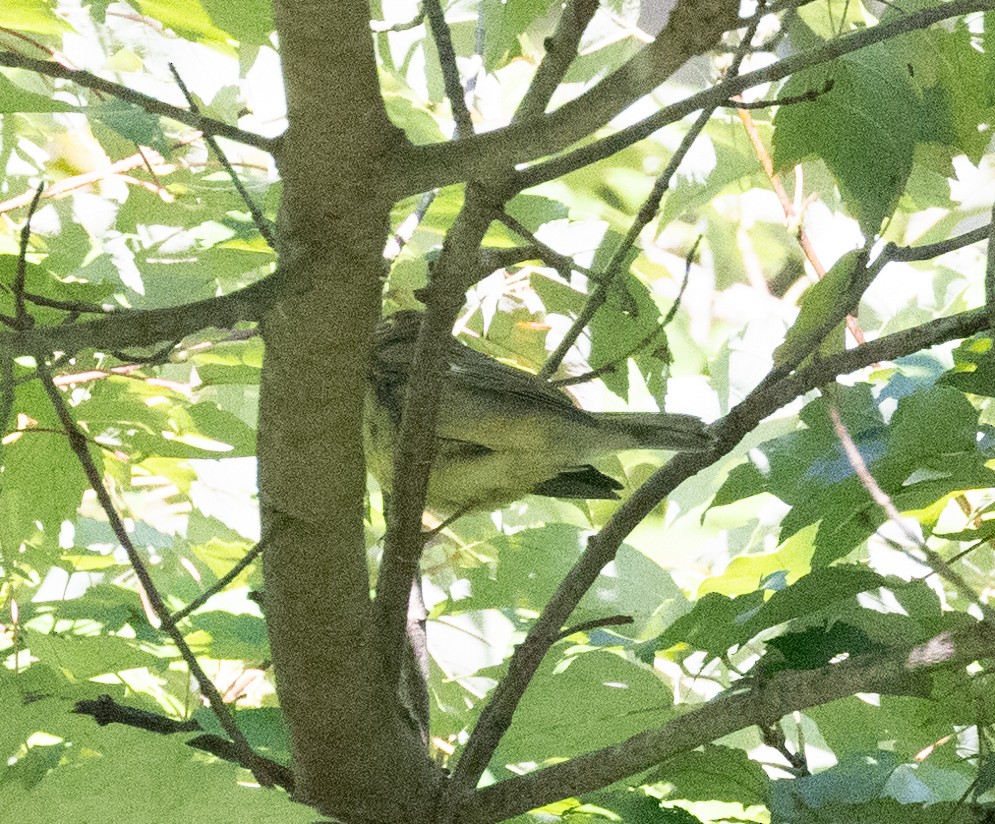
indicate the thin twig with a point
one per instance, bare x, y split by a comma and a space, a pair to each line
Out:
884, 501
160, 356
990, 270
773, 736
77, 306
928, 251
648, 338
563, 264
407, 228
381, 26
561, 49
597, 623
647, 213
44, 430
481, 150
88, 80
22, 318
493, 259
450, 70
411, 223
688, 262
262, 224
790, 100
771, 394
115, 169
791, 216
105, 710
222, 582
78, 443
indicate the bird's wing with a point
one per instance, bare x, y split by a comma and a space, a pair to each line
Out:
525, 391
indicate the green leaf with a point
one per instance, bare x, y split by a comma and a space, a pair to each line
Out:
974, 367
188, 18
927, 451
634, 584
131, 416
532, 211
812, 592
715, 773
41, 481
588, 701
408, 112
630, 805
132, 123
37, 16
853, 780
248, 21
813, 648
113, 607
921, 87
691, 192
143, 776
712, 625
231, 636
859, 128
504, 23
826, 297
15, 99
951, 75
41, 280
80, 657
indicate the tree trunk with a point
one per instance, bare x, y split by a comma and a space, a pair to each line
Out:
354, 747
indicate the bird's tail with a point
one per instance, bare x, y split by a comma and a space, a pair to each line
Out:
661, 430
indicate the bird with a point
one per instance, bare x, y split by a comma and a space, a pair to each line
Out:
502, 432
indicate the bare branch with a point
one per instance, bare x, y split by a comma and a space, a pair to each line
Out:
22, 318
105, 710
449, 161
380, 26
564, 264
143, 327
450, 71
784, 693
648, 338
408, 226
773, 393
78, 442
262, 224
596, 623
493, 259
932, 250
222, 582
692, 29
647, 212
415, 442
561, 49
88, 80
792, 100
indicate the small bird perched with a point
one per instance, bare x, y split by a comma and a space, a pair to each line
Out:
503, 432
